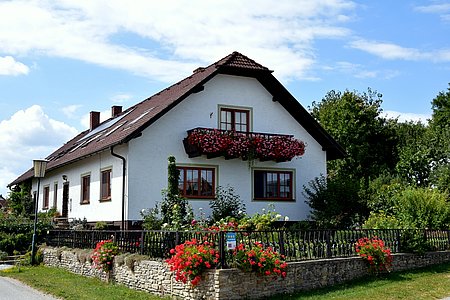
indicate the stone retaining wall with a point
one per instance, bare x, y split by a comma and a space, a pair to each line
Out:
155, 277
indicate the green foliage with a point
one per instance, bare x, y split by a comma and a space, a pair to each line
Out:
335, 202
380, 220
380, 193
423, 208
3, 255
101, 225
20, 201
414, 241
175, 210
226, 204
151, 218
354, 120
260, 221
16, 232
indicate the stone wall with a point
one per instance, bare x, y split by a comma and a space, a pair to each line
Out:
155, 277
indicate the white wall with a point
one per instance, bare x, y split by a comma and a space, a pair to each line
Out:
148, 153
95, 210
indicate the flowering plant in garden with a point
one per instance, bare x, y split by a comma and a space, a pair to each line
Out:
245, 145
104, 254
191, 259
375, 253
262, 261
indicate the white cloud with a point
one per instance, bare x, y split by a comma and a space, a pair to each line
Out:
392, 51
121, 98
405, 116
27, 135
359, 71
280, 34
70, 110
9, 66
441, 9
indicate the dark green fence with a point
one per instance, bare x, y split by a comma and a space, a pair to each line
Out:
294, 245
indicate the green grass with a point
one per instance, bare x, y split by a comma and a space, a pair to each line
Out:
66, 285
427, 283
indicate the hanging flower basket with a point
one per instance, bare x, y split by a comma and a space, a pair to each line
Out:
248, 146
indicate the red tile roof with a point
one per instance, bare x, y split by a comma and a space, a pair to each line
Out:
131, 122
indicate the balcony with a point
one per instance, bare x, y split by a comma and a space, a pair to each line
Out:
245, 145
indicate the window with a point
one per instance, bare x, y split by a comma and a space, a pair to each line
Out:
272, 185
46, 197
85, 189
234, 119
196, 182
55, 195
105, 192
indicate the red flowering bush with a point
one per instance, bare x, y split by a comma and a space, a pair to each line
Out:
375, 253
103, 255
245, 145
262, 261
191, 259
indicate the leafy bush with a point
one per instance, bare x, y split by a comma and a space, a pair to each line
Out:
151, 218
380, 220
103, 255
226, 204
191, 259
414, 241
423, 208
334, 202
16, 232
260, 260
374, 253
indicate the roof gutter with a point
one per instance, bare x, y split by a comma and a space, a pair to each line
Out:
124, 161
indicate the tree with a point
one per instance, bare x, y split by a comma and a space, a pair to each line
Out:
355, 121
20, 201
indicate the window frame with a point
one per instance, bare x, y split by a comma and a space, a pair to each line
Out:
45, 197
198, 168
106, 197
278, 172
234, 110
85, 193
55, 194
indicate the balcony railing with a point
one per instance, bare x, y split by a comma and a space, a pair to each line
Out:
246, 145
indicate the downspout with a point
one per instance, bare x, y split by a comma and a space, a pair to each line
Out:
124, 161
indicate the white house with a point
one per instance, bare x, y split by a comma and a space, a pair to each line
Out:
119, 167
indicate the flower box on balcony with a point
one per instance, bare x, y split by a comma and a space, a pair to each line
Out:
247, 145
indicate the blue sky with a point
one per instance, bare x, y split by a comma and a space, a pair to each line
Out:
59, 60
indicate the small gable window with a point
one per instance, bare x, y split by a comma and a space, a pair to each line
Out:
196, 182
234, 119
85, 189
272, 185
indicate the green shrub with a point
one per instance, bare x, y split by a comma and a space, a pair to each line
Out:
226, 204
380, 220
423, 208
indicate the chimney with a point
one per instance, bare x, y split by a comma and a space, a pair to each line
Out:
94, 119
115, 110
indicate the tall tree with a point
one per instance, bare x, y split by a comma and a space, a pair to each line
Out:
354, 120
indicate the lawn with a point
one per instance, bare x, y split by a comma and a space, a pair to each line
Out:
427, 283
66, 285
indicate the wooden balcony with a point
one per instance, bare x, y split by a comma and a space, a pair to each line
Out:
245, 145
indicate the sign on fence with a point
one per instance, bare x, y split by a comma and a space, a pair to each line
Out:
231, 240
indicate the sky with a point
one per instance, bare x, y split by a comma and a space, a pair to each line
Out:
59, 60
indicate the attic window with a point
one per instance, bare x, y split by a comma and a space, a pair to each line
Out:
234, 119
